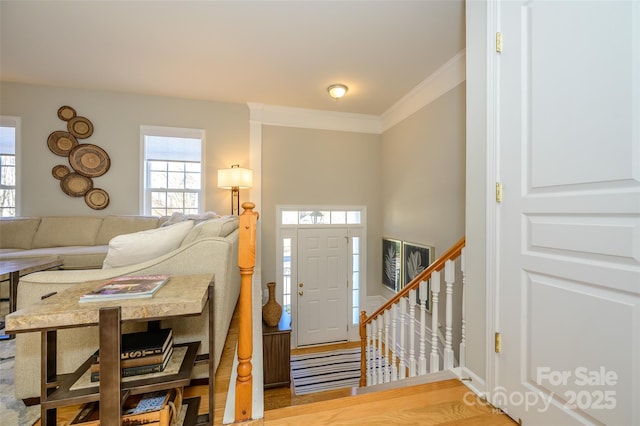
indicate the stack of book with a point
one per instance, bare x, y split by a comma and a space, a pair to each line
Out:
142, 353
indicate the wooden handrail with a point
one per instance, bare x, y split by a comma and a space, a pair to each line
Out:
246, 264
438, 265
452, 253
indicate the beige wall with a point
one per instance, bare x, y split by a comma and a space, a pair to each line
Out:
423, 174
423, 183
319, 167
117, 118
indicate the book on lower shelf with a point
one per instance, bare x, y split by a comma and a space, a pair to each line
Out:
126, 287
137, 369
142, 352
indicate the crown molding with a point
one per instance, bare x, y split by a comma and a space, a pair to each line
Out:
445, 78
440, 82
313, 119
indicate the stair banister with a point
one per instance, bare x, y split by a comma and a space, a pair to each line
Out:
246, 264
452, 253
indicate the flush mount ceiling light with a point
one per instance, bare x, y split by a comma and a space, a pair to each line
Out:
336, 91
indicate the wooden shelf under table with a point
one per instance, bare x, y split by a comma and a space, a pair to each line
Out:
64, 395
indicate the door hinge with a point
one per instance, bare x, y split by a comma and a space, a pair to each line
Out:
498, 342
498, 42
499, 192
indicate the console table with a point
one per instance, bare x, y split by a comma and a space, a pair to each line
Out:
13, 269
63, 310
276, 352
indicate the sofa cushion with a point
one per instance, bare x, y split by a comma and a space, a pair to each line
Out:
18, 232
67, 231
113, 226
129, 249
220, 227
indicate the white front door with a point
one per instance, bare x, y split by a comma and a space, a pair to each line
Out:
569, 222
322, 288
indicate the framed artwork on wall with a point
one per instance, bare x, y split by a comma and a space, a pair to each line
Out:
415, 259
391, 263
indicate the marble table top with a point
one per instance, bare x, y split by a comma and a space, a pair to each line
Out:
182, 295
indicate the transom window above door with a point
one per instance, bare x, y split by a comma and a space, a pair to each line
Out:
321, 217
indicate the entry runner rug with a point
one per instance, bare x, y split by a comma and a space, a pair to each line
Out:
323, 371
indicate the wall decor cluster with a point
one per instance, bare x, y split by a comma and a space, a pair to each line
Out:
87, 160
402, 262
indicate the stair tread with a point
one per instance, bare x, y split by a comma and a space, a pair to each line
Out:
444, 401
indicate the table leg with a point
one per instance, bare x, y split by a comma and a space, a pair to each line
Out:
212, 354
48, 368
14, 278
110, 380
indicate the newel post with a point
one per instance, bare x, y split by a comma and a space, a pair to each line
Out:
246, 264
363, 348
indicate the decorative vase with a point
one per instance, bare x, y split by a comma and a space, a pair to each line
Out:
271, 311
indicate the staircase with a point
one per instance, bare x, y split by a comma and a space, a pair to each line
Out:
446, 402
402, 339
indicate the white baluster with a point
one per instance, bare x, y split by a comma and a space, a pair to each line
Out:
422, 359
379, 320
434, 361
402, 369
449, 278
374, 364
394, 346
368, 355
412, 333
463, 347
387, 346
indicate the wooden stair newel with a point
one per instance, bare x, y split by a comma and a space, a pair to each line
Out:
246, 264
363, 349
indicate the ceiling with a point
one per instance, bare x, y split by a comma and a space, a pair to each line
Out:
273, 52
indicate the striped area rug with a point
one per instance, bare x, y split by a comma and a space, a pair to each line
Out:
323, 371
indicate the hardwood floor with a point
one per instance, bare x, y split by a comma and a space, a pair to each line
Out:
447, 402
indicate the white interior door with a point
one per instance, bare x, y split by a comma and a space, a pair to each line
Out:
569, 223
322, 289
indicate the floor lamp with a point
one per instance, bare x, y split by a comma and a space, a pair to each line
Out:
235, 178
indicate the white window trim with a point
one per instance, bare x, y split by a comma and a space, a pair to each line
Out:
16, 122
177, 132
290, 231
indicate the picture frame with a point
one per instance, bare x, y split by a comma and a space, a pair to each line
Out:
392, 264
415, 259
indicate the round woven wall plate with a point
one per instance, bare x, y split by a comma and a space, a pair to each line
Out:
76, 185
61, 143
80, 127
89, 160
66, 113
97, 198
60, 171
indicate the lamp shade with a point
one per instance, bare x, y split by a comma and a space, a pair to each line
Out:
235, 177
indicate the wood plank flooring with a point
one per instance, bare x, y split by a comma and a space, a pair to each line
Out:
442, 403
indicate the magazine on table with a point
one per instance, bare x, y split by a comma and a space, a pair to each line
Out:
126, 287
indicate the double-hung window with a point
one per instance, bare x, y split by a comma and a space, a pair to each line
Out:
172, 170
9, 128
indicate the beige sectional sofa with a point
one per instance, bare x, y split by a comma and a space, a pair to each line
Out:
210, 246
80, 241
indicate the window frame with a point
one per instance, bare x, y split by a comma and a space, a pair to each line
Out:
145, 206
15, 122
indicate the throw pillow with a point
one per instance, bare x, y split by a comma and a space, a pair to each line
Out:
129, 249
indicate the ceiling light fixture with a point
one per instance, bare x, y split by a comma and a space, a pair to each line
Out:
336, 91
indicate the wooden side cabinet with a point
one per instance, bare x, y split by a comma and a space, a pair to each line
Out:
276, 352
